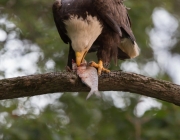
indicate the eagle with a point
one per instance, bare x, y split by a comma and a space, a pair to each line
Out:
101, 26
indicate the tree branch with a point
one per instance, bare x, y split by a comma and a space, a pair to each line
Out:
69, 82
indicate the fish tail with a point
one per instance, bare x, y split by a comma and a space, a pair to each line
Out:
96, 92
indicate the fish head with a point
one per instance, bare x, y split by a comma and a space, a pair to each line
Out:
82, 66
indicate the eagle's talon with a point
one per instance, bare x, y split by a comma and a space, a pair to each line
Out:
106, 70
100, 67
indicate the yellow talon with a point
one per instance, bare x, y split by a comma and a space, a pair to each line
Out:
100, 67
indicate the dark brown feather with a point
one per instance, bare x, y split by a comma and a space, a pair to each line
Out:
115, 15
117, 25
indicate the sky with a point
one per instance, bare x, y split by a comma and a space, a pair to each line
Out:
13, 56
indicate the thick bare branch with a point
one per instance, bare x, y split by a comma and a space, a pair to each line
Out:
69, 82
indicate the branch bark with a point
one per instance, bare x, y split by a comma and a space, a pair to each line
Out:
68, 82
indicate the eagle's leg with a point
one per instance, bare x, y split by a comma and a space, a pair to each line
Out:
71, 56
100, 67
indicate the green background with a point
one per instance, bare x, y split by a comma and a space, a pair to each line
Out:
30, 44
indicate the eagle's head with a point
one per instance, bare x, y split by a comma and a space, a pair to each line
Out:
82, 33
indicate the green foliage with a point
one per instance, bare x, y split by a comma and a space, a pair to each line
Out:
70, 116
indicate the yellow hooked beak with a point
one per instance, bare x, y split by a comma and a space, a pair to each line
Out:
80, 57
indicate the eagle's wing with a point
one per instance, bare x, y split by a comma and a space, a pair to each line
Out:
56, 8
115, 15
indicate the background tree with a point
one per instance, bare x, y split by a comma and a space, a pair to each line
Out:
29, 44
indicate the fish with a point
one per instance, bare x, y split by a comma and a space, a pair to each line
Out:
89, 76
